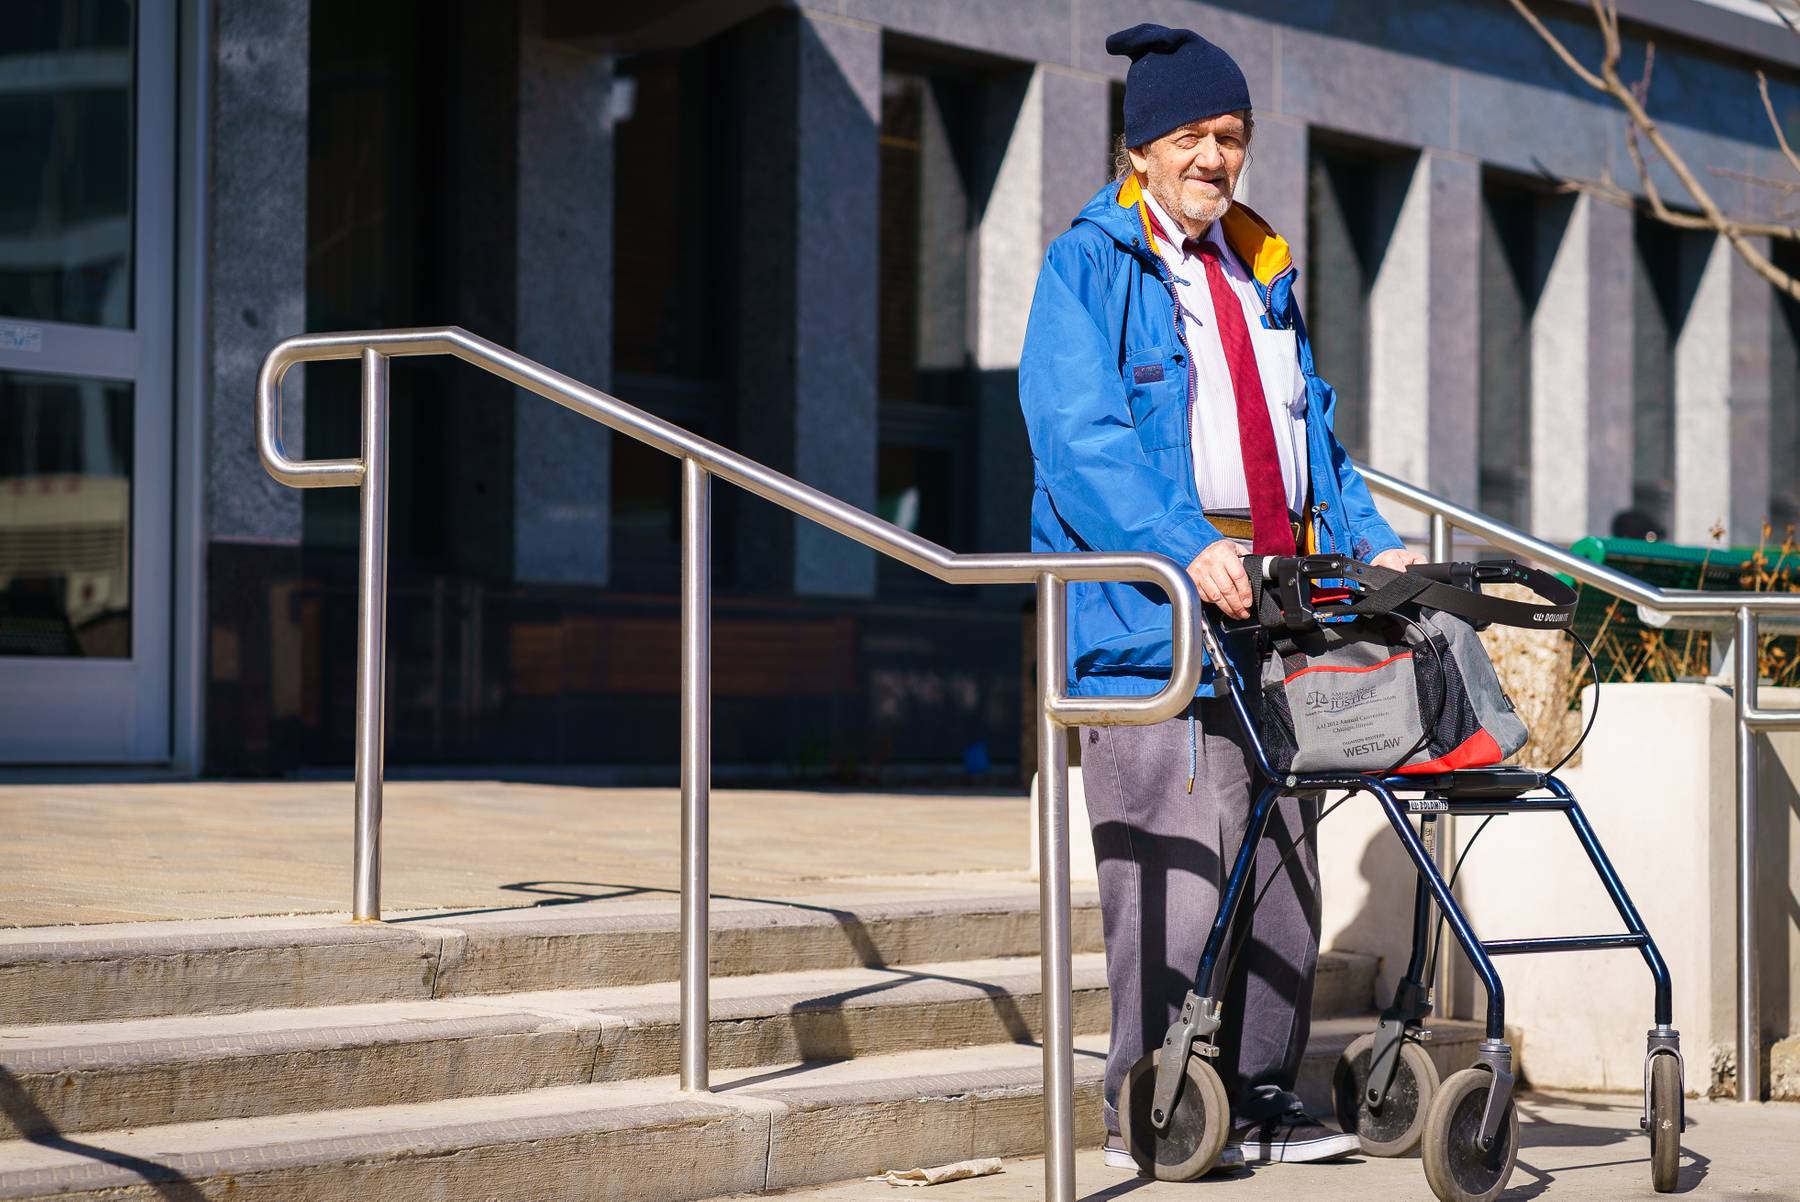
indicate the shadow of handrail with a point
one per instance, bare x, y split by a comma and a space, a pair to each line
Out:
35, 1126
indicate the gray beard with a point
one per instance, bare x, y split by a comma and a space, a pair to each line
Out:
1169, 194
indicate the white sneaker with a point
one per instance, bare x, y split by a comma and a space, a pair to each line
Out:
1230, 1156
1292, 1138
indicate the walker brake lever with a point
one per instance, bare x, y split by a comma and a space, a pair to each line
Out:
1490, 571
1295, 591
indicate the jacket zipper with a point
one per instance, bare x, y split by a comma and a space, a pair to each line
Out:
1267, 294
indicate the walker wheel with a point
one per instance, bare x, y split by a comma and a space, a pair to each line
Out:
1665, 1122
1395, 1129
1457, 1167
1188, 1146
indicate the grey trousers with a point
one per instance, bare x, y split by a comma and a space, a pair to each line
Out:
1163, 857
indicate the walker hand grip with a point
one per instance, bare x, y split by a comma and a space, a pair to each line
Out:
1440, 572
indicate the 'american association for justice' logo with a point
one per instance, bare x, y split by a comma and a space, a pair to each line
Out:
1319, 701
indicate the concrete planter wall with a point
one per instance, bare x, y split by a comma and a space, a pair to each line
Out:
1656, 781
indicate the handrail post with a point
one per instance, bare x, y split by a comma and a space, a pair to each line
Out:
1053, 897
371, 637
1443, 984
696, 766
1749, 1025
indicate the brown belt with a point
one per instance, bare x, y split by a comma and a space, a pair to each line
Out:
1236, 527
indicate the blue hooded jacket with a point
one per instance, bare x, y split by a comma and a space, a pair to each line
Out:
1111, 460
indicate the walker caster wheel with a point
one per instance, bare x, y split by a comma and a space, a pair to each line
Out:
1395, 1129
1665, 1122
1457, 1167
1188, 1146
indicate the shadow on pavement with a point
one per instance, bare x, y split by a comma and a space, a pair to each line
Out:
1623, 1135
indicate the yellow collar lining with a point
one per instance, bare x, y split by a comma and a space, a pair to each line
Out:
1249, 236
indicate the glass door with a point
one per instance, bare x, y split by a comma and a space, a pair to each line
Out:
86, 300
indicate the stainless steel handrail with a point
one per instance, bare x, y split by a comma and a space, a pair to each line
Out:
1673, 607
702, 460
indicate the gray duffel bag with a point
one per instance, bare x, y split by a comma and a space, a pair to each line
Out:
1384, 673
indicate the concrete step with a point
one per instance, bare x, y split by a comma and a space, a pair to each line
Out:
121, 971
94, 1076
1344, 984
140, 970
640, 1142
643, 1141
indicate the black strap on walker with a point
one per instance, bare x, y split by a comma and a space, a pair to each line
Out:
1283, 595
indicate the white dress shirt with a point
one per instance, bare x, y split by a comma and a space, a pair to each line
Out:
1218, 457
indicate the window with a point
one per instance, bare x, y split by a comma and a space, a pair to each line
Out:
675, 284
67, 114
925, 371
1784, 402
927, 230
1669, 262
1351, 208
87, 281
410, 224
66, 140
1520, 227
65, 516
671, 223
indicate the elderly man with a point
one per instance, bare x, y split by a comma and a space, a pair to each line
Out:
1172, 406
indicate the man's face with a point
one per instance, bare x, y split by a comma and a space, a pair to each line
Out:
1193, 171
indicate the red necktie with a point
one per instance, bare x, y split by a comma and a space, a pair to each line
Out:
1273, 535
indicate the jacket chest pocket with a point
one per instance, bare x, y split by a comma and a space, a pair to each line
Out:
1156, 380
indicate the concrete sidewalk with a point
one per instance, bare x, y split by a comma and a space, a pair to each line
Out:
218, 849
1575, 1148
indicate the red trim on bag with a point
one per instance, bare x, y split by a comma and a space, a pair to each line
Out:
1328, 668
1477, 751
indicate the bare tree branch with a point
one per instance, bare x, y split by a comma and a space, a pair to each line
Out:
1634, 99
1613, 194
1783, 17
1760, 181
1762, 85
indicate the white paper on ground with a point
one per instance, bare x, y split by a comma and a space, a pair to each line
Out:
944, 1172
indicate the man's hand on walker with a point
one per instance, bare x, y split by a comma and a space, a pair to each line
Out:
1397, 559
1218, 572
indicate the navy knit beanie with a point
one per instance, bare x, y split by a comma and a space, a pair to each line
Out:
1176, 77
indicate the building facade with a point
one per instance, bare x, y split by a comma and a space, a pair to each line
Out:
809, 232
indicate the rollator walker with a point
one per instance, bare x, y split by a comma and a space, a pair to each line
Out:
1386, 1088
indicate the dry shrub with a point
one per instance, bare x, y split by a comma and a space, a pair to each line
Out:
1633, 654
1542, 673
